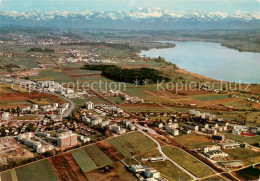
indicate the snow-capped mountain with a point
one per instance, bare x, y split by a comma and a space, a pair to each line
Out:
139, 18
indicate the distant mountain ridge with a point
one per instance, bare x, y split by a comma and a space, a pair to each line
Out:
139, 18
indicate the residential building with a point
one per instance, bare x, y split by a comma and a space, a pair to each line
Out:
89, 105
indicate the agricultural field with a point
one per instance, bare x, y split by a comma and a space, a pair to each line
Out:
248, 155
132, 144
248, 139
115, 171
249, 173
66, 168
214, 178
84, 160
193, 141
37, 171
144, 108
188, 162
97, 156
110, 151
167, 169
52, 74
9, 175
211, 97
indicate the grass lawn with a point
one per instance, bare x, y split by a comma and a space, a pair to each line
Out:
248, 139
249, 173
36, 171
247, 155
211, 97
194, 141
83, 160
8, 176
188, 162
97, 156
132, 143
167, 169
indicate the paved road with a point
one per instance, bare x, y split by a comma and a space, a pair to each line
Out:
166, 157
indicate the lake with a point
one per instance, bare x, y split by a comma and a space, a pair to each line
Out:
212, 60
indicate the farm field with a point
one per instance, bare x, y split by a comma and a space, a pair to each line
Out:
167, 169
8, 175
144, 108
249, 173
52, 74
97, 156
213, 178
211, 97
133, 143
83, 159
249, 139
247, 155
112, 172
193, 141
66, 168
187, 162
110, 151
36, 171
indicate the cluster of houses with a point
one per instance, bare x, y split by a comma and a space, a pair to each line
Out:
204, 116
27, 139
87, 57
244, 130
126, 97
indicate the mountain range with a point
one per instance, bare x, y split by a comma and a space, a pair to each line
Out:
138, 18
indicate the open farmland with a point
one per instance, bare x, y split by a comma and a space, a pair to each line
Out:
113, 172
66, 168
247, 155
40, 170
188, 162
110, 151
10, 100
249, 173
83, 159
97, 156
133, 143
9, 175
211, 97
194, 141
167, 169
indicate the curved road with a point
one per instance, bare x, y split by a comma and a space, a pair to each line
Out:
166, 157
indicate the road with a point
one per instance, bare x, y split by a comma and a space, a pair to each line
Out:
166, 157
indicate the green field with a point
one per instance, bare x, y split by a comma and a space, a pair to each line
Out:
167, 169
194, 141
188, 162
245, 154
210, 97
132, 143
52, 74
97, 156
84, 160
249, 173
37, 171
248, 139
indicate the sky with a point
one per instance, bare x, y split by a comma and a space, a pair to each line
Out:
228, 6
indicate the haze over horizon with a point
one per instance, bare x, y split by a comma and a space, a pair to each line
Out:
229, 6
